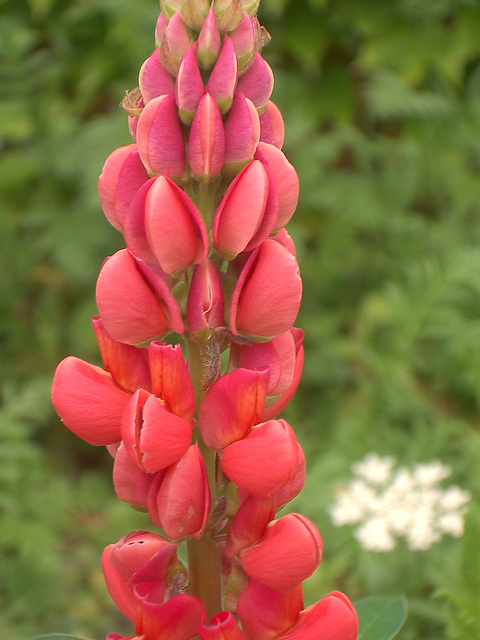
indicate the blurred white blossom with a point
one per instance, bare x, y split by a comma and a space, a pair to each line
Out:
388, 503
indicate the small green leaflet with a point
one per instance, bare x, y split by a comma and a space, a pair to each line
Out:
380, 618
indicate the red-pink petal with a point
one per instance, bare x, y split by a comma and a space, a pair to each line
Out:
171, 380
122, 176
223, 78
154, 79
174, 227
264, 461
272, 129
257, 82
231, 406
249, 523
222, 626
242, 131
189, 87
332, 618
206, 145
88, 401
160, 137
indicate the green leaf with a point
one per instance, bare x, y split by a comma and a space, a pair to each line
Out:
58, 636
380, 618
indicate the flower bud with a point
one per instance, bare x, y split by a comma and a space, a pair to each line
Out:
265, 460
122, 176
154, 437
288, 553
272, 129
209, 42
205, 306
189, 87
194, 12
228, 14
88, 401
250, 6
176, 39
223, 78
160, 137
170, 7
266, 298
257, 83
160, 27
231, 406
135, 308
180, 505
153, 79
223, 626
241, 211
333, 616
285, 178
206, 146
134, 226
244, 39
174, 227
242, 134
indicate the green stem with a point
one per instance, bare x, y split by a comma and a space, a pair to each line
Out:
204, 557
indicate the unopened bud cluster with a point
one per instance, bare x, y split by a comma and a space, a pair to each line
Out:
202, 197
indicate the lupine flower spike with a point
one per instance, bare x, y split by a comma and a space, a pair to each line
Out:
202, 196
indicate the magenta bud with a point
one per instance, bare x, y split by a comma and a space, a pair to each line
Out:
242, 133
122, 176
88, 401
272, 129
176, 39
244, 39
285, 179
288, 553
223, 626
223, 79
174, 227
189, 87
206, 146
205, 306
154, 437
265, 460
232, 405
182, 501
228, 14
267, 296
257, 83
241, 210
209, 42
160, 137
134, 302
154, 79
160, 28
194, 13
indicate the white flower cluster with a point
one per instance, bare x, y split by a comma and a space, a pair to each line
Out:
389, 503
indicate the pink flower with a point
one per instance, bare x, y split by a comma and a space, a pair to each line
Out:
122, 176
272, 129
206, 144
160, 137
209, 41
232, 406
174, 228
189, 87
242, 133
257, 82
223, 78
222, 626
154, 79
135, 308
179, 502
88, 401
154, 437
270, 615
267, 296
205, 306
265, 460
288, 552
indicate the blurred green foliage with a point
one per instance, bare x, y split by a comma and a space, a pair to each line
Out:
381, 102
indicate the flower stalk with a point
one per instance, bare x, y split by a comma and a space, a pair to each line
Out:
202, 197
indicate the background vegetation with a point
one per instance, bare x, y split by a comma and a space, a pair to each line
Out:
382, 108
